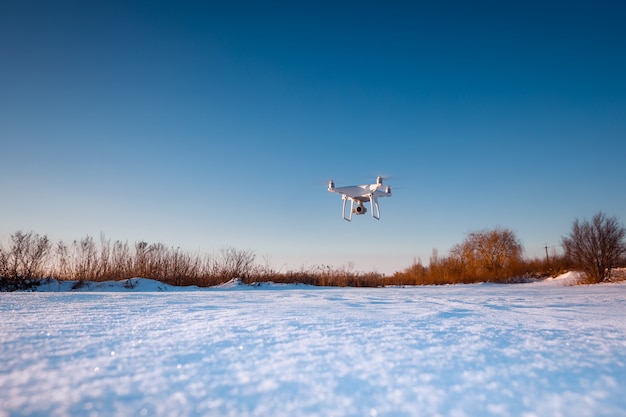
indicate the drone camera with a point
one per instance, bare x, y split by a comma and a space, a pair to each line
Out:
359, 210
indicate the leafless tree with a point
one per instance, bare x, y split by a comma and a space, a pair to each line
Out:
492, 254
87, 257
596, 246
24, 260
236, 263
121, 260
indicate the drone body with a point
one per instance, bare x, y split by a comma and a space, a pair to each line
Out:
359, 194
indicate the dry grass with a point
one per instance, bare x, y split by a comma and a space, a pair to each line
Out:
30, 257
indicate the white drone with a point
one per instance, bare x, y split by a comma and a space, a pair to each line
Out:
360, 194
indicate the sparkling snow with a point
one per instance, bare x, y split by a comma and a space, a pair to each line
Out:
468, 350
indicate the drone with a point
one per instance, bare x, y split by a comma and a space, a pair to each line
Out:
359, 194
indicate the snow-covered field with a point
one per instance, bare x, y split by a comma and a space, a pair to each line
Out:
469, 350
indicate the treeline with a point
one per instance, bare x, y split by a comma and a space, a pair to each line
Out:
30, 257
485, 256
455, 270
595, 247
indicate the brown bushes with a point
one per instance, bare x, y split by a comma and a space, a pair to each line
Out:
489, 255
484, 256
30, 256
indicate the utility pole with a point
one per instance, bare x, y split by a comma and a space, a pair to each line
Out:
547, 257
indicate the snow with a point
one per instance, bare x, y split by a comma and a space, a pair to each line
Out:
541, 349
127, 285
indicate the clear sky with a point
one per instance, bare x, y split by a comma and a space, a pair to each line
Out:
205, 125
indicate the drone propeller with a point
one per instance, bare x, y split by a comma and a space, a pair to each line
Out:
387, 177
380, 180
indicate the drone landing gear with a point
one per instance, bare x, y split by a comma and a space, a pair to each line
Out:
360, 208
375, 207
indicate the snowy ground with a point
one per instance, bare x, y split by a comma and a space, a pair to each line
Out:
469, 350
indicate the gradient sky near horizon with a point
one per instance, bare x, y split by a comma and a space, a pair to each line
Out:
205, 125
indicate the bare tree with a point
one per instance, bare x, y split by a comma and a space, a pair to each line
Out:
23, 261
122, 261
596, 246
4, 262
492, 254
236, 263
104, 263
87, 259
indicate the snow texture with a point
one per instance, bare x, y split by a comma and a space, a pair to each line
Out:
527, 350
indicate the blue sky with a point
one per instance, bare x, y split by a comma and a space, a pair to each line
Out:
203, 125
